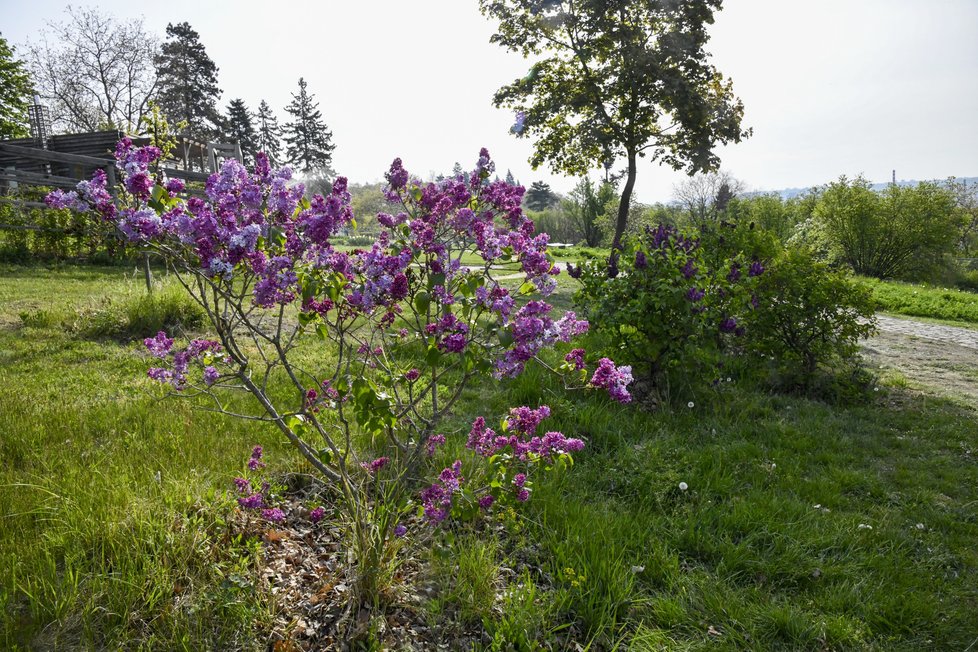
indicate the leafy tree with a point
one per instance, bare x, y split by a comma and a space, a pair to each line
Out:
241, 128
308, 143
587, 206
539, 196
269, 134
15, 94
94, 72
903, 232
617, 78
188, 83
966, 199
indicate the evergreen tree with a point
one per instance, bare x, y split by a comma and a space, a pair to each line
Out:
241, 128
15, 94
188, 90
509, 178
269, 134
457, 170
308, 143
539, 197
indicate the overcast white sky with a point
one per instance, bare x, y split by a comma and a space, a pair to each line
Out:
830, 87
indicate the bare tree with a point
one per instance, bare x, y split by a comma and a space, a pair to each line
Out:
94, 71
705, 196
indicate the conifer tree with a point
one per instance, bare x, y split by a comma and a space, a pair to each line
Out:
188, 90
539, 197
241, 128
269, 134
308, 143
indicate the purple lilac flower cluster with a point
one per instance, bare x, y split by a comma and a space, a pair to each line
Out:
614, 379
520, 440
437, 499
256, 498
533, 329
161, 347
373, 466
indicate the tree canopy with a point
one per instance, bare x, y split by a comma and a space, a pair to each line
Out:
15, 93
617, 79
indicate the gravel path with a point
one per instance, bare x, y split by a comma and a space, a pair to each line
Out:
965, 337
939, 359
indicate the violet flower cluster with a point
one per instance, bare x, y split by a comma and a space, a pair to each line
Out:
257, 499
198, 351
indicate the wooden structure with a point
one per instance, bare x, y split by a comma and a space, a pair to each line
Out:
64, 160
61, 161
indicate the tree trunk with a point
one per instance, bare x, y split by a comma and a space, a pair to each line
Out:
625, 203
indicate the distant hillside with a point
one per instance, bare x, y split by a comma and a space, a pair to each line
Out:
788, 193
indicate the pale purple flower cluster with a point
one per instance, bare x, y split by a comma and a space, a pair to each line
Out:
161, 346
211, 375
88, 195
437, 499
278, 283
614, 379
134, 162
533, 329
383, 281
275, 515
451, 332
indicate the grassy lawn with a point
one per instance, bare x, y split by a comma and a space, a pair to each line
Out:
803, 525
920, 300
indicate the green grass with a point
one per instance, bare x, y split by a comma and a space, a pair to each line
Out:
95, 552
918, 300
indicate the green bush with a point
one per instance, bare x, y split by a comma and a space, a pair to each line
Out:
907, 233
809, 319
967, 280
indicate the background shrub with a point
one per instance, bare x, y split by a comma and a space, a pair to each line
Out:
142, 315
809, 318
907, 233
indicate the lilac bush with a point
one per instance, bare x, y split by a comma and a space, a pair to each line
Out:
667, 307
404, 325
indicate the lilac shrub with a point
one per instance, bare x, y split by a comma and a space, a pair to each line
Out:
404, 325
668, 308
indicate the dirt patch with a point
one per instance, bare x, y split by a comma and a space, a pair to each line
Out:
939, 366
